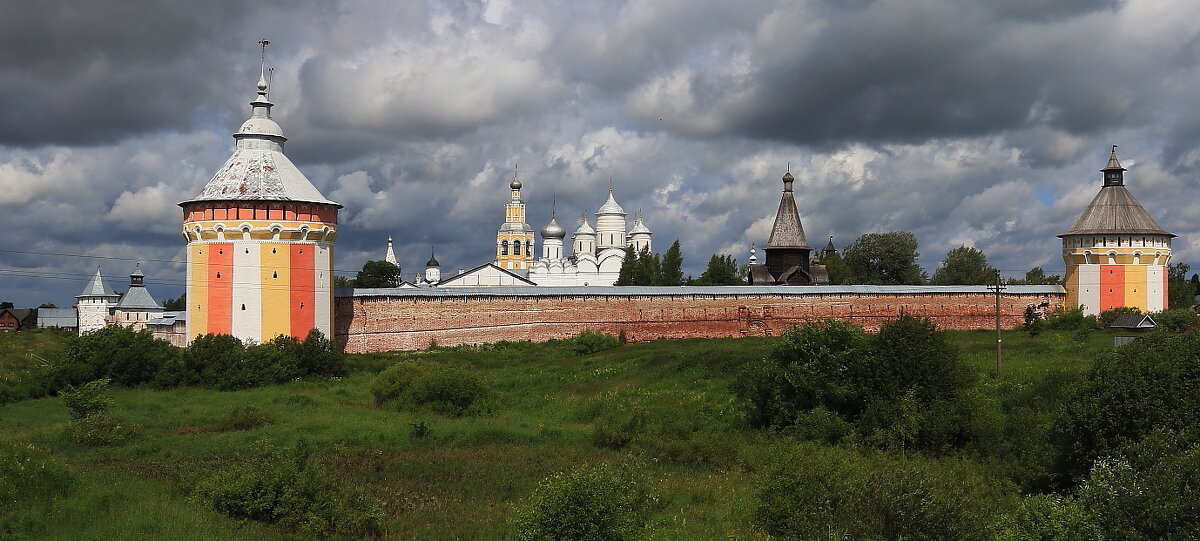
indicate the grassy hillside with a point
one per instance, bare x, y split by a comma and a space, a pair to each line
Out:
458, 477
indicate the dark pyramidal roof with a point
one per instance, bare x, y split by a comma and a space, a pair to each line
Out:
1114, 210
787, 231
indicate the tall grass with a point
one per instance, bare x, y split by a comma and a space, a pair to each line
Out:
465, 476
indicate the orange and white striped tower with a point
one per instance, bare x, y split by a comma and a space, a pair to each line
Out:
260, 241
1116, 255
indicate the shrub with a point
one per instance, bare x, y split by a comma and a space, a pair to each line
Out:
101, 429
902, 388
1149, 491
1147, 384
1175, 320
244, 417
87, 399
1050, 518
125, 356
589, 342
1033, 321
319, 357
809, 366
208, 359
286, 488
30, 474
588, 503
423, 385
680, 432
1070, 320
818, 492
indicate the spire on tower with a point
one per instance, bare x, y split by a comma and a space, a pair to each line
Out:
1114, 174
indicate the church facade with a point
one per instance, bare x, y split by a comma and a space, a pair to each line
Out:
596, 254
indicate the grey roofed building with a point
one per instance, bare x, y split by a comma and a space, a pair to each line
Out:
1139, 322
97, 287
1114, 211
57, 318
137, 298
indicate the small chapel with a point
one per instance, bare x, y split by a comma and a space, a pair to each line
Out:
787, 250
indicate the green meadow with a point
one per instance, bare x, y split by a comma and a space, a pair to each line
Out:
437, 476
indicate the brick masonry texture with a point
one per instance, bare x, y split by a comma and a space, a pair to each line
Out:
365, 324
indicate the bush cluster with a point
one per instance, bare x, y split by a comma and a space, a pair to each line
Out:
223, 362
244, 417
589, 342
680, 433
287, 488
819, 492
597, 503
28, 473
422, 385
903, 388
91, 424
1070, 320
1130, 391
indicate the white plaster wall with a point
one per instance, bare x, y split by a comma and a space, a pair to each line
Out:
247, 290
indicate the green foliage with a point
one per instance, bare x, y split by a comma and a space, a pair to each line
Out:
1108, 316
884, 258
687, 432
1037, 277
418, 385
125, 356
244, 417
1180, 292
1131, 390
819, 493
589, 342
722, 271
86, 399
626, 276
177, 304
1149, 492
599, 503
810, 366
377, 274
1070, 320
839, 272
903, 388
672, 266
964, 266
1175, 319
29, 474
342, 282
1033, 321
222, 362
647, 269
418, 430
101, 429
289, 489
1050, 518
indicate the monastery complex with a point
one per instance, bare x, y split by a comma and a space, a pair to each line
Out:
260, 240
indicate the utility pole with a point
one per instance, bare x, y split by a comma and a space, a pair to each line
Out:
998, 288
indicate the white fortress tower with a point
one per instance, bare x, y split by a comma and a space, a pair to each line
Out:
260, 241
94, 304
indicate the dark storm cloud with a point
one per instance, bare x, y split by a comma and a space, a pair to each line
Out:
978, 123
92, 72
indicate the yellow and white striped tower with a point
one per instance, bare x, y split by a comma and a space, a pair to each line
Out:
260, 241
1116, 255
514, 239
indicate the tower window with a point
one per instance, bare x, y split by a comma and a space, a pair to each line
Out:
218, 275
275, 274
243, 307
504, 248
272, 250
517, 248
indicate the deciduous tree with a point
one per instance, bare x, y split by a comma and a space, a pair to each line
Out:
884, 258
964, 265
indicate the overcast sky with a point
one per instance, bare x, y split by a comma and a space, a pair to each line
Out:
971, 122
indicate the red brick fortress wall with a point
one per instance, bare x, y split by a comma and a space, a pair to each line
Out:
371, 320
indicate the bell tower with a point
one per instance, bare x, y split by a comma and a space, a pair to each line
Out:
514, 239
